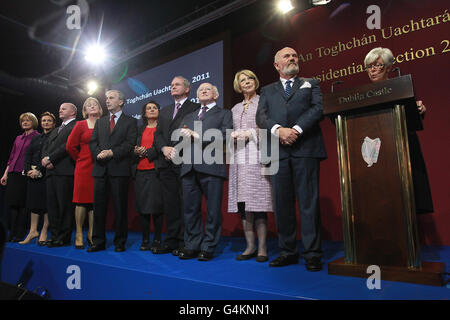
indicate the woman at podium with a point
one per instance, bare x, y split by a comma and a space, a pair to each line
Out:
378, 64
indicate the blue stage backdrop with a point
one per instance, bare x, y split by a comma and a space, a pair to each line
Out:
203, 65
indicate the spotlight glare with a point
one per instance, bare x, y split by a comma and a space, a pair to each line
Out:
95, 54
92, 86
285, 6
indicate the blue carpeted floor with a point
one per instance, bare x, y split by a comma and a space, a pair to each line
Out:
142, 275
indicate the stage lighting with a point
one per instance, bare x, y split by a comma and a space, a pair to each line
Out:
92, 86
95, 54
285, 6
320, 2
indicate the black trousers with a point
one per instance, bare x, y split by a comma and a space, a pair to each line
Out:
117, 188
172, 204
195, 185
60, 207
298, 177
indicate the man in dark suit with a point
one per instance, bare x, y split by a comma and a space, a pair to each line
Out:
59, 169
170, 119
111, 146
292, 109
203, 172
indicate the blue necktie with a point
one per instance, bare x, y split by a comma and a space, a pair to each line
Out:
287, 89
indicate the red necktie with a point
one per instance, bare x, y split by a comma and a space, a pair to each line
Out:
112, 123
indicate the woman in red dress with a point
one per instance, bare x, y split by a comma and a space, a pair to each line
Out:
78, 148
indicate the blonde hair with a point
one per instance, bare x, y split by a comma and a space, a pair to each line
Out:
83, 111
29, 116
248, 73
384, 53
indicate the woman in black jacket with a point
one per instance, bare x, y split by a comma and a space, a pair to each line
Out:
36, 189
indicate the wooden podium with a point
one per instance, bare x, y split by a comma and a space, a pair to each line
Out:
378, 210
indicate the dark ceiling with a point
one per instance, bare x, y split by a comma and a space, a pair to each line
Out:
37, 43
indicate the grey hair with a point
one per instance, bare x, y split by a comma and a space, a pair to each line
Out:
384, 53
120, 94
186, 82
216, 91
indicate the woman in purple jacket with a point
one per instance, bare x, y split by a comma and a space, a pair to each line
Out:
16, 180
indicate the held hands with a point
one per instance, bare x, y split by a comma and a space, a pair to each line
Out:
169, 152
33, 174
241, 135
105, 154
421, 107
186, 132
140, 151
4, 179
287, 135
46, 163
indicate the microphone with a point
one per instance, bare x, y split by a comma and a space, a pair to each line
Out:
399, 73
336, 82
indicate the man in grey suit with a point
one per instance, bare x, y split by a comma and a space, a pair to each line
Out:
201, 176
111, 146
291, 109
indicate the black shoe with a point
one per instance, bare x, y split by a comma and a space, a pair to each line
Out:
79, 247
119, 249
155, 244
176, 252
89, 242
57, 243
42, 243
243, 257
284, 260
145, 246
95, 248
313, 264
262, 258
185, 254
163, 249
205, 256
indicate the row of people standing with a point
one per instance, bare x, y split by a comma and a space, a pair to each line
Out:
114, 139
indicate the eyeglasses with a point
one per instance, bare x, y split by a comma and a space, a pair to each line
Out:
375, 66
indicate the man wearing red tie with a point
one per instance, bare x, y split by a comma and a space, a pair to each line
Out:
111, 147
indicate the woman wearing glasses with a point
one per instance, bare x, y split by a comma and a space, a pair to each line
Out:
378, 63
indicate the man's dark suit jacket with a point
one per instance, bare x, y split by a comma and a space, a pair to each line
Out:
217, 118
55, 148
166, 125
121, 141
303, 107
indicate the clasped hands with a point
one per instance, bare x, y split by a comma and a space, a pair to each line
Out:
141, 151
46, 163
287, 135
421, 107
105, 154
241, 135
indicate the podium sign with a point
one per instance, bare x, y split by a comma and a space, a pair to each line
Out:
377, 195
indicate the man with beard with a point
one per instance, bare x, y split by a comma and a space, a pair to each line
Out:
292, 109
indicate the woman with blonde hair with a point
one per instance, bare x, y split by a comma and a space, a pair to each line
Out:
16, 180
83, 189
249, 192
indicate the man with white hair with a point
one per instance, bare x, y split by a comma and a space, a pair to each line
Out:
291, 109
202, 177
59, 170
